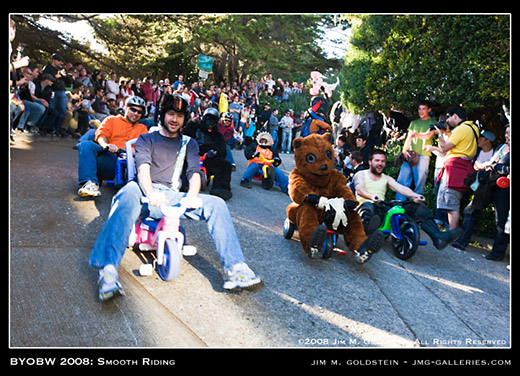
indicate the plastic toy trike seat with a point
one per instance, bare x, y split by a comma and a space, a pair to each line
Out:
125, 162
166, 236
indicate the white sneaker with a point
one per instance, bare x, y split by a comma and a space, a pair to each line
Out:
109, 286
241, 276
89, 189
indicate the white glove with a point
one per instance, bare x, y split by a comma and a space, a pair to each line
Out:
335, 204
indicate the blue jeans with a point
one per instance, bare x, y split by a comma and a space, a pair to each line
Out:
127, 209
91, 163
279, 176
286, 140
32, 114
58, 104
274, 134
229, 155
417, 173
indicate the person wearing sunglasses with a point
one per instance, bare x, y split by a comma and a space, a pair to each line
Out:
98, 157
164, 160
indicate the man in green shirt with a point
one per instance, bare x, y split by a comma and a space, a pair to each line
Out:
419, 172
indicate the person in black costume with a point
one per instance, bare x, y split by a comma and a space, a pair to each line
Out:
212, 147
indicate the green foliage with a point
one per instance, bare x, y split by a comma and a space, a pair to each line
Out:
284, 45
297, 102
448, 59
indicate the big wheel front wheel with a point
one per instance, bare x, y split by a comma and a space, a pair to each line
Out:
405, 248
169, 270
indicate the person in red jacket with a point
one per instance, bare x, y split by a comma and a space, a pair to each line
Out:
148, 91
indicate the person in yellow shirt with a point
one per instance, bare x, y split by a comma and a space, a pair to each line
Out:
459, 150
111, 136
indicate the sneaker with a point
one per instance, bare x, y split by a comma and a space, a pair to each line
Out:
89, 189
493, 257
317, 240
370, 246
109, 286
458, 246
240, 276
245, 183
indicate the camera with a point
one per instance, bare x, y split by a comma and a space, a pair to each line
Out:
441, 125
19, 49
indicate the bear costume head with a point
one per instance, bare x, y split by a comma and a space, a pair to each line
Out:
314, 158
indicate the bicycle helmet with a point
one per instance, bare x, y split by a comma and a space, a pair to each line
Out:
177, 103
137, 101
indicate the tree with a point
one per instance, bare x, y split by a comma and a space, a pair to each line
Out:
448, 59
43, 42
165, 45
242, 45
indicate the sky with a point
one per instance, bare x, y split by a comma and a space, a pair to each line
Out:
81, 31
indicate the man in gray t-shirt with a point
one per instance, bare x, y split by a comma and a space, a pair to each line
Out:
159, 151
160, 159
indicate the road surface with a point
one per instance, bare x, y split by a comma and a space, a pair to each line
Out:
437, 298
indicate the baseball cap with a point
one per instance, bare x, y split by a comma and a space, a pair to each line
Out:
489, 135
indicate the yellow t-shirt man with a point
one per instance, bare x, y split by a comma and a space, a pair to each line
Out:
463, 137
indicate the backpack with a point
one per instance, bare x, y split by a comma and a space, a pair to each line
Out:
306, 124
305, 127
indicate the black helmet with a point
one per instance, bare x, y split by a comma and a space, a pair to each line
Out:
210, 117
177, 103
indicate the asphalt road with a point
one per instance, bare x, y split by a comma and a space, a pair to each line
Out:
437, 298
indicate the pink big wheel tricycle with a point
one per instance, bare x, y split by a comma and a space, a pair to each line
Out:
166, 236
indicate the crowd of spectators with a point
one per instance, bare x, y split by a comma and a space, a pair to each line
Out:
62, 98
66, 99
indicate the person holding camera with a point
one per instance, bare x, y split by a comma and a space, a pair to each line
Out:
441, 216
416, 168
460, 148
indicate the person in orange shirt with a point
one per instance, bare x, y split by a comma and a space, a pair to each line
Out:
99, 157
262, 147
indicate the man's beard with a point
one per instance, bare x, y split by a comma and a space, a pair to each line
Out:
374, 170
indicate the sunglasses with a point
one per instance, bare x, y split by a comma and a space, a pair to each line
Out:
133, 109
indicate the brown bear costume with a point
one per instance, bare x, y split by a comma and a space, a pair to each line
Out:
312, 183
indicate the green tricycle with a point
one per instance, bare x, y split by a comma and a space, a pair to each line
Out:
402, 230
396, 224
